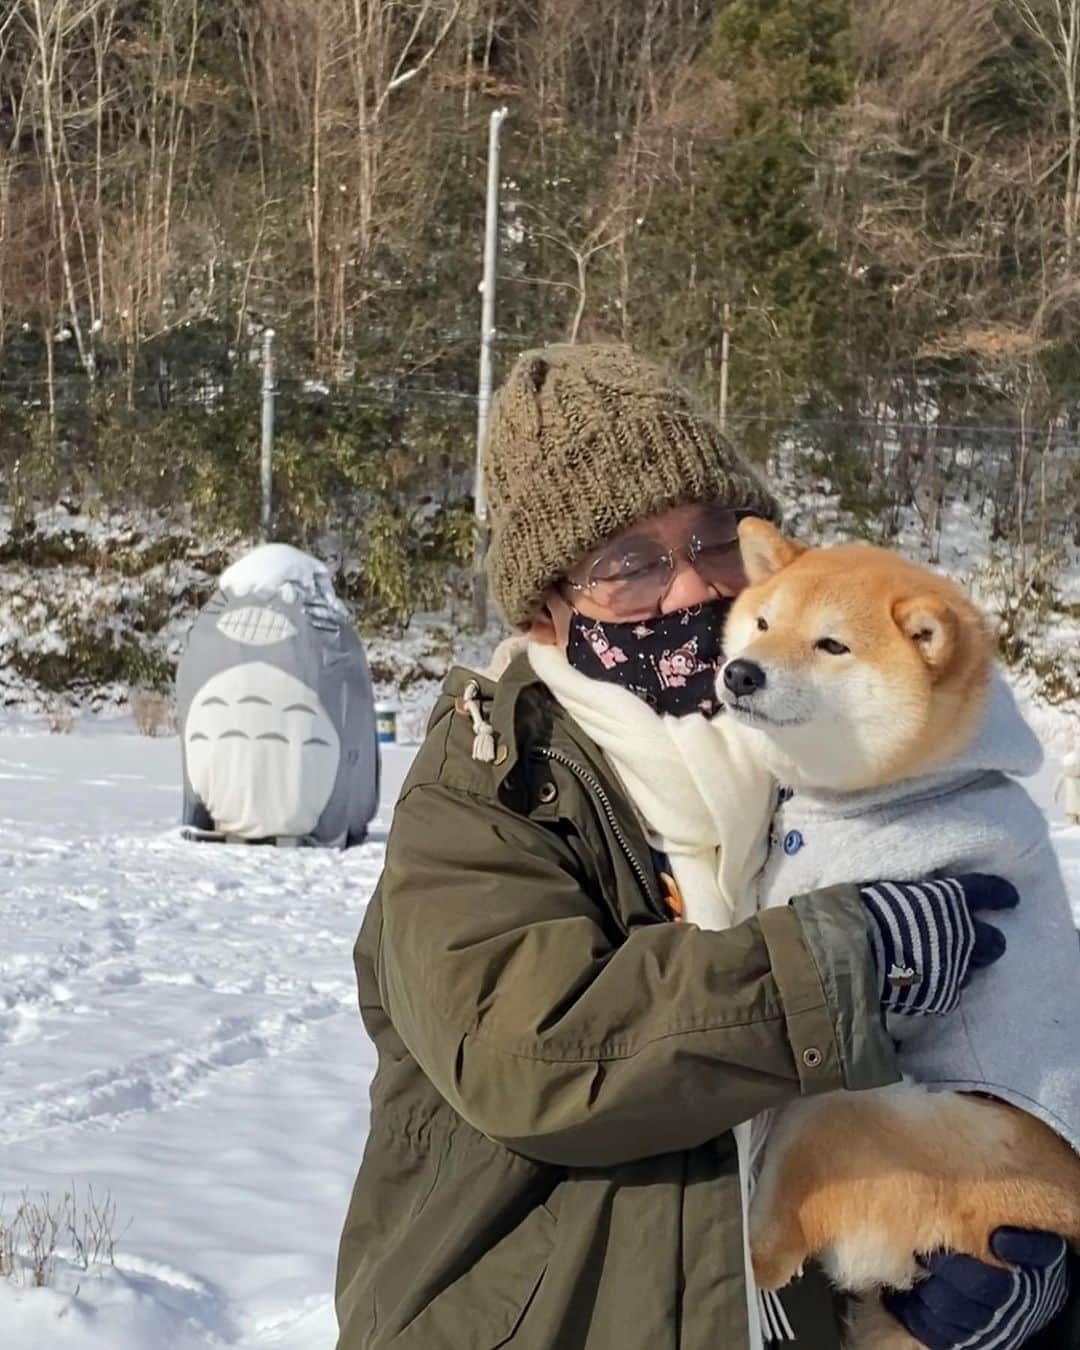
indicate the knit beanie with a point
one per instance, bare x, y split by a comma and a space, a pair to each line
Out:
582, 442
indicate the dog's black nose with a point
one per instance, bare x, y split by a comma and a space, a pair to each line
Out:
743, 677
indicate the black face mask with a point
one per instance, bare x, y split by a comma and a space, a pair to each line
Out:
670, 660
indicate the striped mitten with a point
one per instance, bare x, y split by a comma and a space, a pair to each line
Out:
926, 940
965, 1304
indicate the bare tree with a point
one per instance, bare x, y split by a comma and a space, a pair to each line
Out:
1056, 26
52, 24
605, 234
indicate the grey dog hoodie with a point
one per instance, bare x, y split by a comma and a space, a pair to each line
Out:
1016, 1034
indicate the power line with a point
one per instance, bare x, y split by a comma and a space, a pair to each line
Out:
315, 384
888, 424
381, 394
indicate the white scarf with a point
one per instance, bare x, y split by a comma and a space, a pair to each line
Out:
706, 804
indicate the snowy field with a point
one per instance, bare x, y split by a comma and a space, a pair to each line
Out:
178, 1026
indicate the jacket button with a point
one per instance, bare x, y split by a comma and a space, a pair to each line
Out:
812, 1057
548, 792
793, 841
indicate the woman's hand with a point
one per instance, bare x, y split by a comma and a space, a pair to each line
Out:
964, 1302
927, 941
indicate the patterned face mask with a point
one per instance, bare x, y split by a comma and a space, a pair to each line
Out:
669, 660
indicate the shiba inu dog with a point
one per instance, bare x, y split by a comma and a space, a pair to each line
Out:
861, 667
866, 684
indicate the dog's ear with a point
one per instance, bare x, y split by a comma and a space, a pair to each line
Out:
765, 551
934, 627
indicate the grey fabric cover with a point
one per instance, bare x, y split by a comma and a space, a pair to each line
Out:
1016, 1034
277, 720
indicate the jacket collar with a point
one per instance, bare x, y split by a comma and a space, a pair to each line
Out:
499, 701
518, 678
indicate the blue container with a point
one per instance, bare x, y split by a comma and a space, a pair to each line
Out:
386, 723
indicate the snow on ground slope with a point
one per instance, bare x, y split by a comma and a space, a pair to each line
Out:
1066, 837
178, 1025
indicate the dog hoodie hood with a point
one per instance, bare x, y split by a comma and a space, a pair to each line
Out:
1016, 1034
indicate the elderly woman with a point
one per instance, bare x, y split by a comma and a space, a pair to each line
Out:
560, 1141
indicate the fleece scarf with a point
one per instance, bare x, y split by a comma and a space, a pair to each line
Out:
706, 804
704, 799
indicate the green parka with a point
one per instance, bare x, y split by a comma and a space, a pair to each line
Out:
550, 1163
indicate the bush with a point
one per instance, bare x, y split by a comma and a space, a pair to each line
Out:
384, 473
44, 1228
1018, 589
153, 713
60, 718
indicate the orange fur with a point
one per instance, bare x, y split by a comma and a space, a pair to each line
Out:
916, 630
945, 1174
863, 1187
864, 1181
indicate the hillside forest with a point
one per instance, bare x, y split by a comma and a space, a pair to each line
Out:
851, 225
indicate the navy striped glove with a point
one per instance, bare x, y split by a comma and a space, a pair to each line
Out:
964, 1304
926, 940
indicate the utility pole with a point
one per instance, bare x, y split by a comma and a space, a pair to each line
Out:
487, 338
267, 430
725, 353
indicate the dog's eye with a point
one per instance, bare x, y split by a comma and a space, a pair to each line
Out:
763, 627
831, 646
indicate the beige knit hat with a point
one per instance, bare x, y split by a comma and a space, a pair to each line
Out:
582, 442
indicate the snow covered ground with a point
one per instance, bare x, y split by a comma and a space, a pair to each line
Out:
178, 1026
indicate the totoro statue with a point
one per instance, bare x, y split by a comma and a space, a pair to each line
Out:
276, 708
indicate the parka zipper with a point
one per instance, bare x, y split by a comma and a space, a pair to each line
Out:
596, 788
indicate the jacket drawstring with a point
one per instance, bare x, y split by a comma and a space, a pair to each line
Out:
483, 746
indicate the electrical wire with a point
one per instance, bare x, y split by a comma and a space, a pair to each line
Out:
381, 394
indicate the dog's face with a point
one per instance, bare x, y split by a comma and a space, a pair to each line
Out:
854, 666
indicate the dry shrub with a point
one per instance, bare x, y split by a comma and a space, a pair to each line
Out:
914, 55
44, 1228
60, 719
8, 1265
153, 713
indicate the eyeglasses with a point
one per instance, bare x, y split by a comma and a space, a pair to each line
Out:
631, 574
